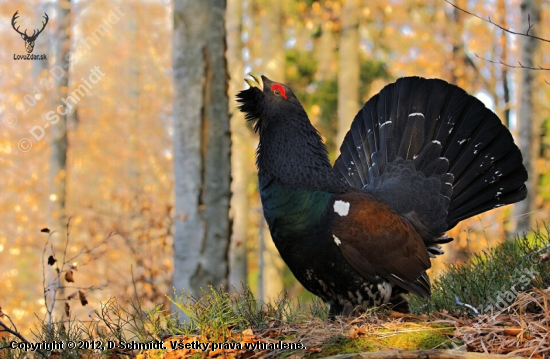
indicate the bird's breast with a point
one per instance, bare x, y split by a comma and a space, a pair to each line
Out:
294, 212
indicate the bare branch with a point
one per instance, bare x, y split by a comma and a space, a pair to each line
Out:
519, 66
89, 288
15, 333
526, 34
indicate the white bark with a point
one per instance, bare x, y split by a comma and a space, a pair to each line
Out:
527, 130
201, 146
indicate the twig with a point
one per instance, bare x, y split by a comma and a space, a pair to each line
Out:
90, 288
134, 283
520, 66
457, 300
88, 251
14, 332
526, 34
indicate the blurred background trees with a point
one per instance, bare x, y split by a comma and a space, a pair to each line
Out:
149, 141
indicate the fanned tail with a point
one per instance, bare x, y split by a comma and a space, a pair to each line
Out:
426, 146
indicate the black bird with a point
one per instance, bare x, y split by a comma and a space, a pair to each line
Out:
421, 156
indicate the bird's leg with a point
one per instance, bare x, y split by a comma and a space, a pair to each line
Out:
399, 304
334, 310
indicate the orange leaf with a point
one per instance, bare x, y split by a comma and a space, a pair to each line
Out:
69, 276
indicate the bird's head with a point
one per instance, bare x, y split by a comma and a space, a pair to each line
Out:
267, 102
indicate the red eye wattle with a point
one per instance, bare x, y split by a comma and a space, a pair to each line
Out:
279, 90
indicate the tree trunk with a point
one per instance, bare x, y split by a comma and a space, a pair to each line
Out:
58, 159
527, 124
240, 154
43, 44
273, 55
325, 51
59, 144
348, 72
201, 146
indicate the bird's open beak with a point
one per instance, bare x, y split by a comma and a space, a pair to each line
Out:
255, 81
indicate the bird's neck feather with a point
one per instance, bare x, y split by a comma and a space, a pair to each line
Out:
292, 154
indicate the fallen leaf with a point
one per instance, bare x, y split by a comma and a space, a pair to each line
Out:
248, 332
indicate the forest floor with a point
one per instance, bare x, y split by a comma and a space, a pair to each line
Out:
495, 304
522, 329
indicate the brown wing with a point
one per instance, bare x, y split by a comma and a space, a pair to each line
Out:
376, 241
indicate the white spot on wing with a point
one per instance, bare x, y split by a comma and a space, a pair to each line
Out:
385, 123
336, 240
341, 207
436, 142
416, 114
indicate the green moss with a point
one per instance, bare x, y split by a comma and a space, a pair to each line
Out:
344, 345
410, 337
416, 339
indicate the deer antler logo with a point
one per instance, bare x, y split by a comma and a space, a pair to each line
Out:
29, 40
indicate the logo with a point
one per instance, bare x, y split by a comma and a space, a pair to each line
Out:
29, 40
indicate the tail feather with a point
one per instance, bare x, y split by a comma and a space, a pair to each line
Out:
413, 137
479, 147
448, 135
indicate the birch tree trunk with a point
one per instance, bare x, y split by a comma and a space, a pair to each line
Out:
348, 72
527, 133
273, 54
201, 146
58, 158
240, 153
59, 144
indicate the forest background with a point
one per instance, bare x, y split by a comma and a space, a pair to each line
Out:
133, 167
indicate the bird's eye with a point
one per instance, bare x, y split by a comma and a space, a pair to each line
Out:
279, 90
